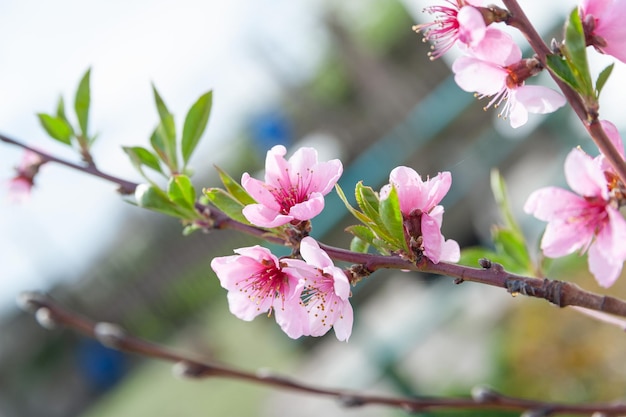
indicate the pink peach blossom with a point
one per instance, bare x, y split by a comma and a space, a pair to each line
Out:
495, 69
603, 22
293, 190
258, 282
19, 187
586, 221
325, 293
419, 204
459, 21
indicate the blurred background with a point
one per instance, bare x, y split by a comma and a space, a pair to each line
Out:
349, 78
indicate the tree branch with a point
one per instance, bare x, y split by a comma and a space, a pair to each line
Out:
50, 314
559, 293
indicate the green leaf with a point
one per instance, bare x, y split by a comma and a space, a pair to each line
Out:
358, 245
368, 201
603, 77
576, 54
141, 156
181, 192
234, 188
169, 128
159, 143
225, 202
513, 246
391, 218
56, 127
561, 69
364, 233
195, 123
153, 198
82, 102
360, 216
498, 188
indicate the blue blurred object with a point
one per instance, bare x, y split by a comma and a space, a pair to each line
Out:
101, 367
270, 128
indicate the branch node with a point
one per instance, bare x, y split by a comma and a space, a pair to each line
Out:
30, 301
484, 394
552, 291
484, 263
519, 286
540, 412
45, 318
458, 281
109, 334
350, 401
187, 369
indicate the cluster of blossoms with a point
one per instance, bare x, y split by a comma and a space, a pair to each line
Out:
306, 292
492, 64
20, 185
310, 295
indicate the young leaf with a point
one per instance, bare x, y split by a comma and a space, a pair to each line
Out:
364, 233
61, 112
358, 245
56, 127
360, 216
559, 66
234, 188
82, 102
603, 77
225, 202
181, 192
159, 143
498, 188
576, 53
391, 218
153, 198
167, 121
368, 202
141, 156
513, 246
195, 123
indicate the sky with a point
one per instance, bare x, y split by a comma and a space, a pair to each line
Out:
185, 48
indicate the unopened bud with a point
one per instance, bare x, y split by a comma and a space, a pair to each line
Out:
109, 334
482, 394
43, 316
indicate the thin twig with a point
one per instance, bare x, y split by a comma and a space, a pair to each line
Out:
51, 314
125, 187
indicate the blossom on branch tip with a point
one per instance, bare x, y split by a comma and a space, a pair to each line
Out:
588, 221
19, 187
459, 21
603, 23
496, 69
258, 282
325, 294
421, 212
293, 190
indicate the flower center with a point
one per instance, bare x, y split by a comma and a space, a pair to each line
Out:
288, 195
266, 283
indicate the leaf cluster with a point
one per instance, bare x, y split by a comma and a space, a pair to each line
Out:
382, 224
59, 128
